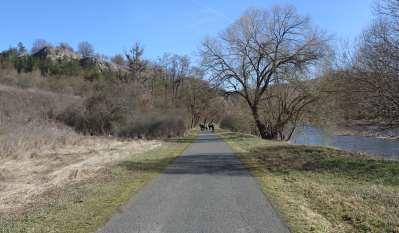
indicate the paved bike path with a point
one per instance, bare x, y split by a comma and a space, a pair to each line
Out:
206, 190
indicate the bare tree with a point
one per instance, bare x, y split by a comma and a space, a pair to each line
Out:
196, 100
177, 68
66, 46
85, 49
135, 60
376, 68
389, 9
284, 106
119, 60
38, 45
21, 50
180, 71
246, 58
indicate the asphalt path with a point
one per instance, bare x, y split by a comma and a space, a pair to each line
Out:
206, 190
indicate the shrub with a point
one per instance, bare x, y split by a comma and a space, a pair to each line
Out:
96, 117
104, 114
237, 123
154, 125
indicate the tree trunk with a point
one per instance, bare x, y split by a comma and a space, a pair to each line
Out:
261, 126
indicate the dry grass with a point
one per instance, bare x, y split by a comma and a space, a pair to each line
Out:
321, 189
25, 179
38, 154
85, 206
26, 134
55, 180
11, 77
24, 120
61, 84
25, 125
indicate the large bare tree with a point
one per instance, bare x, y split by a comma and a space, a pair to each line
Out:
388, 9
377, 63
247, 57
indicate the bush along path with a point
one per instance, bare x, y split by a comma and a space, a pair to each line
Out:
207, 189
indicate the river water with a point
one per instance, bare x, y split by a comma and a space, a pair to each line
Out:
311, 135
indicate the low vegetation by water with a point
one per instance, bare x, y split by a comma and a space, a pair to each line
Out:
319, 189
85, 206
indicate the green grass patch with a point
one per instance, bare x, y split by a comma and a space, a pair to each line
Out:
85, 207
319, 189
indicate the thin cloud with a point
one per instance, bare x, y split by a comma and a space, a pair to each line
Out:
208, 14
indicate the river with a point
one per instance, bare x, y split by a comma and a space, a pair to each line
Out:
311, 135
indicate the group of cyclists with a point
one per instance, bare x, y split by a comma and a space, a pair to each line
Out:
209, 126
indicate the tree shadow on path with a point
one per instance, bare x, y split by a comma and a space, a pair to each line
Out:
196, 164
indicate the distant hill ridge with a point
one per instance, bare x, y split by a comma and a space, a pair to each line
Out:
60, 54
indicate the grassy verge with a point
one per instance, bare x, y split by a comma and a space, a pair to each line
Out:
85, 207
320, 189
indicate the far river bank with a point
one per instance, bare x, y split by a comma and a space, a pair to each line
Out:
371, 141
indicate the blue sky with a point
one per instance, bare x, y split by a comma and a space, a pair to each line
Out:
161, 26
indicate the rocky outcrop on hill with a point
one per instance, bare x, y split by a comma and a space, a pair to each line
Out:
56, 54
59, 54
102, 65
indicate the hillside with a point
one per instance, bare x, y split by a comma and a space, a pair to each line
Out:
39, 154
